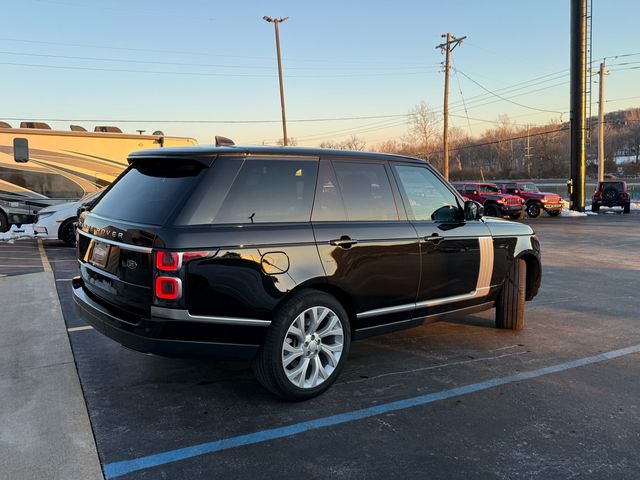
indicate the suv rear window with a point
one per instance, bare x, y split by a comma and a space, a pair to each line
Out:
149, 191
617, 185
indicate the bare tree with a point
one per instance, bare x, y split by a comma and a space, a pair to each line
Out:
423, 131
291, 141
354, 143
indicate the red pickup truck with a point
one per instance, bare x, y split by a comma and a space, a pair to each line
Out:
535, 200
496, 203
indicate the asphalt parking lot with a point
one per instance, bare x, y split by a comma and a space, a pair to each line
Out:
448, 400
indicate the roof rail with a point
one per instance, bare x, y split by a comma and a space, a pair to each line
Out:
223, 141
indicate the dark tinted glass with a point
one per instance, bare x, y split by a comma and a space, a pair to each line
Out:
148, 193
270, 190
328, 204
203, 205
366, 191
429, 198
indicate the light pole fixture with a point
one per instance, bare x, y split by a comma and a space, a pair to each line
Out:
275, 22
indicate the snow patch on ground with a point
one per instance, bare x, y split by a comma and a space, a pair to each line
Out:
25, 231
573, 213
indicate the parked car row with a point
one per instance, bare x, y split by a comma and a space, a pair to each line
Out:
511, 199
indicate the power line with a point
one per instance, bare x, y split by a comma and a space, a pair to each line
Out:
196, 53
301, 120
155, 62
506, 99
494, 142
208, 74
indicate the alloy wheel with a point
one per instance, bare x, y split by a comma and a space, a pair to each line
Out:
312, 347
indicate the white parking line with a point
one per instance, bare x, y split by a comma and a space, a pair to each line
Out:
79, 329
63, 279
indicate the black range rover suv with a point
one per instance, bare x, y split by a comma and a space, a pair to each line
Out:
285, 255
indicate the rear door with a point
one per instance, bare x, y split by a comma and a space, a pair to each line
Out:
456, 256
367, 246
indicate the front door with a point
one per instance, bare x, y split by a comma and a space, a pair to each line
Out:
368, 247
456, 255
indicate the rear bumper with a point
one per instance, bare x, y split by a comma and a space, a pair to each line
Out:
151, 336
601, 203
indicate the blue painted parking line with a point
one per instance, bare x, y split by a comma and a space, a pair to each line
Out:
117, 469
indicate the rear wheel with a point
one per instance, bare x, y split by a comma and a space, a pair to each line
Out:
595, 208
534, 210
4, 223
67, 232
516, 216
510, 303
491, 211
627, 207
305, 347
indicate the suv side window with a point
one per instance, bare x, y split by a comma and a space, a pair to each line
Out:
429, 198
366, 191
328, 205
270, 190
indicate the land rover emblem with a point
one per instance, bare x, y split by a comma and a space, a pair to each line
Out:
131, 264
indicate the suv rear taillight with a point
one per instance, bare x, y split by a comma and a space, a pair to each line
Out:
169, 276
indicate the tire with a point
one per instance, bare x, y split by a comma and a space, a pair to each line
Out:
510, 302
610, 194
292, 373
491, 211
627, 207
67, 232
516, 216
4, 222
554, 213
595, 208
534, 209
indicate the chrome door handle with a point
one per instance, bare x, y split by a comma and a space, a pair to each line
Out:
434, 238
343, 242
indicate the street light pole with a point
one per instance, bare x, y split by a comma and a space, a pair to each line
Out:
275, 22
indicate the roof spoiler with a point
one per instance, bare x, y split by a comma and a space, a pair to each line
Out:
224, 141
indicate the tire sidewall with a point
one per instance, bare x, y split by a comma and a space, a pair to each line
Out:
534, 210
69, 223
283, 319
4, 223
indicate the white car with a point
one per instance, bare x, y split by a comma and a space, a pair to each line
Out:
59, 221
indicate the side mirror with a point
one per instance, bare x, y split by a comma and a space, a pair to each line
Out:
473, 210
20, 150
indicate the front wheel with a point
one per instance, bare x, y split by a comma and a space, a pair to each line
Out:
67, 232
554, 213
4, 223
534, 210
491, 211
510, 303
305, 347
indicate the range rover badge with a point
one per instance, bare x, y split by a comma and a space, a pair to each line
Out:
131, 264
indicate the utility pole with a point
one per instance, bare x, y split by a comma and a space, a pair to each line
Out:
275, 22
447, 47
602, 72
528, 155
578, 16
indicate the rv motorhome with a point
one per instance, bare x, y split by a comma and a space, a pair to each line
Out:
41, 167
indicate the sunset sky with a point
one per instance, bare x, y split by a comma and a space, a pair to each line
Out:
161, 63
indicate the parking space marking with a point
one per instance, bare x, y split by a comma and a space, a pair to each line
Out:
63, 279
117, 469
79, 329
43, 257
